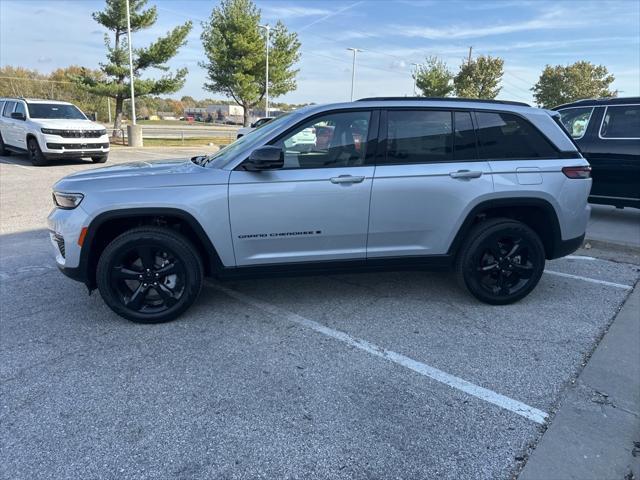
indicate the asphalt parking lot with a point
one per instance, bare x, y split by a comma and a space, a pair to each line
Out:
385, 375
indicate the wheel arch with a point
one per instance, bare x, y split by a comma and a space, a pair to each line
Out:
108, 225
537, 213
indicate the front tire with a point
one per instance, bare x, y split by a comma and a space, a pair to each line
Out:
149, 275
501, 261
35, 154
99, 159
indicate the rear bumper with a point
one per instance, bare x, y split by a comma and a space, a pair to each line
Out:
566, 247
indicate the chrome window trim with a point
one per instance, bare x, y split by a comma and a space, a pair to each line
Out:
588, 120
604, 115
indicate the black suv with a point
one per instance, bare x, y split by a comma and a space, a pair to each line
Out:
608, 134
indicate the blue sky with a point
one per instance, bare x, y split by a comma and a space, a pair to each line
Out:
393, 34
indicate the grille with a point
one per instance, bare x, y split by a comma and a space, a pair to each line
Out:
60, 242
76, 146
79, 133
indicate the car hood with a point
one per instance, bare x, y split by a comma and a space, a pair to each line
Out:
64, 124
148, 174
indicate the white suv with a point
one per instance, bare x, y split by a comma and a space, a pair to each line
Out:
47, 129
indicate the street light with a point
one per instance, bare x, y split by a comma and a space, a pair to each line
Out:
133, 101
266, 93
353, 69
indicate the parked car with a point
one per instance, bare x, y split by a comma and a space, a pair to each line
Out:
48, 129
258, 123
490, 189
607, 132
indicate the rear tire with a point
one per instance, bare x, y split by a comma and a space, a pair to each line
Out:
35, 154
3, 151
99, 158
501, 261
149, 275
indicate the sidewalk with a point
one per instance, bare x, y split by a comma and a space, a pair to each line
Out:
596, 432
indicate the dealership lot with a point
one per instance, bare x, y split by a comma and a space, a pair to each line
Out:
339, 376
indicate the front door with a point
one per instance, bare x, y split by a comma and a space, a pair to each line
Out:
316, 208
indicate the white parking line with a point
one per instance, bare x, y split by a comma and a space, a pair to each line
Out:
16, 165
482, 393
590, 280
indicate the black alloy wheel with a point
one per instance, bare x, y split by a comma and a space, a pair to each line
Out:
35, 154
501, 262
148, 279
149, 275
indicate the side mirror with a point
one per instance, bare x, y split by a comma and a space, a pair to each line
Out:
253, 125
264, 158
18, 116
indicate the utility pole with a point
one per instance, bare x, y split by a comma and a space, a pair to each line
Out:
109, 108
133, 101
266, 93
353, 69
469, 59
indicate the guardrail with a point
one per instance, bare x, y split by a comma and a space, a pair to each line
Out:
218, 136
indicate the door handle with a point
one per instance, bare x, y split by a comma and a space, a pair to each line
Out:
466, 174
347, 179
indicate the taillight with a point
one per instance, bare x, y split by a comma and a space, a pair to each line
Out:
577, 172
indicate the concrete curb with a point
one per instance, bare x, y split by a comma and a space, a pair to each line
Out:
616, 246
596, 432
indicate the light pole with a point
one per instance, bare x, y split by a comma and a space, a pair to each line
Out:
353, 69
266, 91
133, 101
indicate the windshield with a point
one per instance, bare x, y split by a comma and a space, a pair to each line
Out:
221, 157
55, 110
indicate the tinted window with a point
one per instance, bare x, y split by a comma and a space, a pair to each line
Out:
504, 135
55, 110
621, 122
8, 108
464, 137
576, 120
333, 140
415, 136
20, 108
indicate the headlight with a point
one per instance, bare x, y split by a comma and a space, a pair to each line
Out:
50, 131
103, 131
67, 201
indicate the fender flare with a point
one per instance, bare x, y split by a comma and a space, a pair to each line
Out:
546, 206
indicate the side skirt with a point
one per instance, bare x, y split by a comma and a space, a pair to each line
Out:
432, 262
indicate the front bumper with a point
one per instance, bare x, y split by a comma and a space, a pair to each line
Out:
53, 146
65, 227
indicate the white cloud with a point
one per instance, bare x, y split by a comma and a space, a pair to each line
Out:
291, 11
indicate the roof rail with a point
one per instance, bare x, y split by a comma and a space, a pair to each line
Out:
443, 99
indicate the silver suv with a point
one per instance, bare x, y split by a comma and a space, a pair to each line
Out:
488, 188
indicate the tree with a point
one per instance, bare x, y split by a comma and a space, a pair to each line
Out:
235, 50
565, 84
433, 78
156, 55
479, 78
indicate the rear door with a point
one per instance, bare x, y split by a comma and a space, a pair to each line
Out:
427, 176
316, 208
